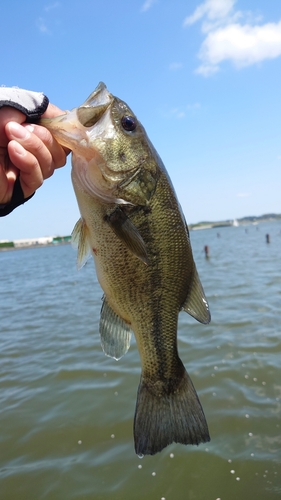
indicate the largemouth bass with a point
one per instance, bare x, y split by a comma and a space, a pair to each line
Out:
133, 225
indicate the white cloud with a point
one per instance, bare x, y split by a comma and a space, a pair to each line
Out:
177, 113
243, 45
175, 66
51, 6
147, 5
243, 195
48, 19
195, 105
213, 9
228, 40
41, 25
181, 113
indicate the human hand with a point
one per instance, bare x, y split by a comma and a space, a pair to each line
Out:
27, 151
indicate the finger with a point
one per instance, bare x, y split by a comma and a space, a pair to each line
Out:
8, 174
32, 144
7, 180
8, 114
58, 153
4, 192
40, 142
52, 111
31, 177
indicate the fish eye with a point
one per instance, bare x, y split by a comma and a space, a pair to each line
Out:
129, 123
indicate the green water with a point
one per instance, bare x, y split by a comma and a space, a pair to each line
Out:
66, 410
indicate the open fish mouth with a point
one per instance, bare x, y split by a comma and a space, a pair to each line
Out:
71, 128
90, 112
78, 130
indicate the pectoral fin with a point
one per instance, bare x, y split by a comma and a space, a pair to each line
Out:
79, 240
115, 333
196, 303
128, 233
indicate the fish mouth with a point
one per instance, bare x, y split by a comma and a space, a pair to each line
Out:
70, 129
78, 130
90, 112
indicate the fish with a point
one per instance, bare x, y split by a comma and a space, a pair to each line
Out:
132, 224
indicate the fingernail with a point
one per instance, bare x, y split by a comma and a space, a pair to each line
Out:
17, 131
18, 149
29, 127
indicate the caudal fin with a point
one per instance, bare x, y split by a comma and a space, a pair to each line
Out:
161, 419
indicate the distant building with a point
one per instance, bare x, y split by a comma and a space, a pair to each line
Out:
34, 242
27, 242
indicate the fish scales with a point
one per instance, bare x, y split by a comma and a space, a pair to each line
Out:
133, 225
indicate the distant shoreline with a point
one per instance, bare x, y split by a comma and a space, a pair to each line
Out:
244, 221
41, 245
50, 241
34, 242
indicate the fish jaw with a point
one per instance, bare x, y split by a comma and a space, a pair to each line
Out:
121, 165
66, 129
72, 129
80, 130
99, 97
125, 158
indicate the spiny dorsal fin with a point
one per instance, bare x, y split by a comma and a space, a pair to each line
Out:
115, 333
79, 240
128, 233
196, 303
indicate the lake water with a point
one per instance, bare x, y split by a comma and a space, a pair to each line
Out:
66, 410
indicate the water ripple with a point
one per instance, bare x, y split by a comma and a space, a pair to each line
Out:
66, 410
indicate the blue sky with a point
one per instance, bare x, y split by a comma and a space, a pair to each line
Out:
202, 77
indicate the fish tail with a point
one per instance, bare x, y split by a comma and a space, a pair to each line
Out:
161, 419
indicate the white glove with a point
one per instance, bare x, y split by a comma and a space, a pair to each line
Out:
31, 104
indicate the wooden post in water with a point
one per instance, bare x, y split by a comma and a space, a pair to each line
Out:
206, 250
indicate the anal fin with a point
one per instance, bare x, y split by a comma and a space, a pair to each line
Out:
196, 303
